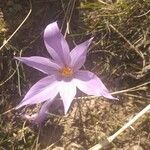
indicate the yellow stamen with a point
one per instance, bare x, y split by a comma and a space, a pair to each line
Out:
66, 71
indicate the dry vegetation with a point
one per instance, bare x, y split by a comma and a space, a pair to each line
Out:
120, 55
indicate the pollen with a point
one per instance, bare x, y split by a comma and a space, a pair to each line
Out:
66, 71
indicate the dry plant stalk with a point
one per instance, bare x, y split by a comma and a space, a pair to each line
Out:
27, 16
124, 127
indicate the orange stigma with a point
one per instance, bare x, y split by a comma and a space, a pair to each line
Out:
66, 71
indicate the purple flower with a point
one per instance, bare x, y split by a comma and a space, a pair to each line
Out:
63, 74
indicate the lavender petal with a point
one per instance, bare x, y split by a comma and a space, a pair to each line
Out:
67, 91
90, 84
78, 54
43, 90
40, 63
41, 116
56, 44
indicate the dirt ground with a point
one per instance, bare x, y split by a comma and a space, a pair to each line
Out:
119, 55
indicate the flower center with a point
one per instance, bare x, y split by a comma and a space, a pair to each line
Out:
66, 71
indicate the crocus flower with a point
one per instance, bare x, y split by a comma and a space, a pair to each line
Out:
63, 72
